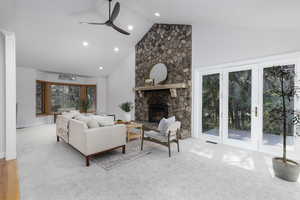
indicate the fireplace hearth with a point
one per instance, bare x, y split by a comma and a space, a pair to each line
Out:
157, 112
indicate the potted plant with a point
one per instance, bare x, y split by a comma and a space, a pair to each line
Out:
127, 107
284, 168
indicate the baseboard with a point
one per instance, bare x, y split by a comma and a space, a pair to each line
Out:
21, 126
2, 155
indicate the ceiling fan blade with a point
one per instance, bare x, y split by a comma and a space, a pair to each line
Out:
115, 12
92, 23
119, 29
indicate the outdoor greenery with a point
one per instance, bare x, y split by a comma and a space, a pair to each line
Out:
239, 104
65, 97
276, 79
210, 102
126, 106
281, 93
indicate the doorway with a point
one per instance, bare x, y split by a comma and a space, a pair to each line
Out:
239, 105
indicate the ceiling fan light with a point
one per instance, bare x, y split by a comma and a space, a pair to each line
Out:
116, 49
85, 43
130, 27
157, 14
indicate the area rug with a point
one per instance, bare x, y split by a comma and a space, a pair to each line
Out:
114, 159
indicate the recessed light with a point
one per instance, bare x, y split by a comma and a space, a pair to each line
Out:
157, 14
85, 43
100, 68
116, 49
130, 27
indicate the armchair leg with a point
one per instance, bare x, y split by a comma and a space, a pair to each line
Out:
57, 138
142, 141
87, 158
124, 149
169, 147
178, 145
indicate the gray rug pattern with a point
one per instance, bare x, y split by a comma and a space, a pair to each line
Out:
54, 171
114, 159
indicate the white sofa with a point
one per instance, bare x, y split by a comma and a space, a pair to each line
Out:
93, 141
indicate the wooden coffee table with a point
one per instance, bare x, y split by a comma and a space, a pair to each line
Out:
132, 125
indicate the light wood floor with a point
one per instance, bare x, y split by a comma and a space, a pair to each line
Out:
9, 180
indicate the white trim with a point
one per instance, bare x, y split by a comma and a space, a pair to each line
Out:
10, 96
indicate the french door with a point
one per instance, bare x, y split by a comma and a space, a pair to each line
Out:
239, 106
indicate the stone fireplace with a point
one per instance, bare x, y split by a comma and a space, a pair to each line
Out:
157, 108
157, 112
172, 45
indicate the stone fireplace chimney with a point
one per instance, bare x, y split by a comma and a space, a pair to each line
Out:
172, 45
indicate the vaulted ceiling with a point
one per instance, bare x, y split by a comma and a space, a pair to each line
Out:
50, 38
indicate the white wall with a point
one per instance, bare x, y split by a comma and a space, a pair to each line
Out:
26, 78
102, 95
120, 86
7, 15
26, 90
2, 94
218, 45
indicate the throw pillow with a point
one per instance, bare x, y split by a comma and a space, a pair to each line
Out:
161, 124
92, 124
104, 120
166, 124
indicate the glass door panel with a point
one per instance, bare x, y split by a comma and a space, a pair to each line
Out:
239, 105
211, 105
272, 106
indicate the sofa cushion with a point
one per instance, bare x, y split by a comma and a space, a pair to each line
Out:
92, 123
104, 120
71, 114
83, 119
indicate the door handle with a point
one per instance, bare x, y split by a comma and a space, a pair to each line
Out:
256, 111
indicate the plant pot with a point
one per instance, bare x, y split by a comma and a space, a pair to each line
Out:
127, 116
288, 171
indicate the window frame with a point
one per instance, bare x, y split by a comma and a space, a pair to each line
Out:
43, 86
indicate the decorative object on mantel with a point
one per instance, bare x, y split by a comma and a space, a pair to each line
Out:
149, 82
172, 87
159, 73
127, 107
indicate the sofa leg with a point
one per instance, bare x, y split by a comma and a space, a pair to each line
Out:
57, 138
87, 158
142, 144
124, 149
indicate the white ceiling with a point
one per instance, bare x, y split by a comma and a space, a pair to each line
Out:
50, 38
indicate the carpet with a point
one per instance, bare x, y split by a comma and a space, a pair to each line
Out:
51, 170
113, 159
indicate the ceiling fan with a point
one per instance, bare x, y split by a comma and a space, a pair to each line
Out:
112, 17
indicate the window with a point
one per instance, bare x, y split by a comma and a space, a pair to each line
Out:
40, 97
91, 98
57, 97
65, 97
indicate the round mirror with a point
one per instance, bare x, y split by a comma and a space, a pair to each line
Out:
159, 73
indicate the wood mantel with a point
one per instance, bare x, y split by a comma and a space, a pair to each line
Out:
171, 87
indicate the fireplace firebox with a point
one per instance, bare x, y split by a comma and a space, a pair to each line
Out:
157, 112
